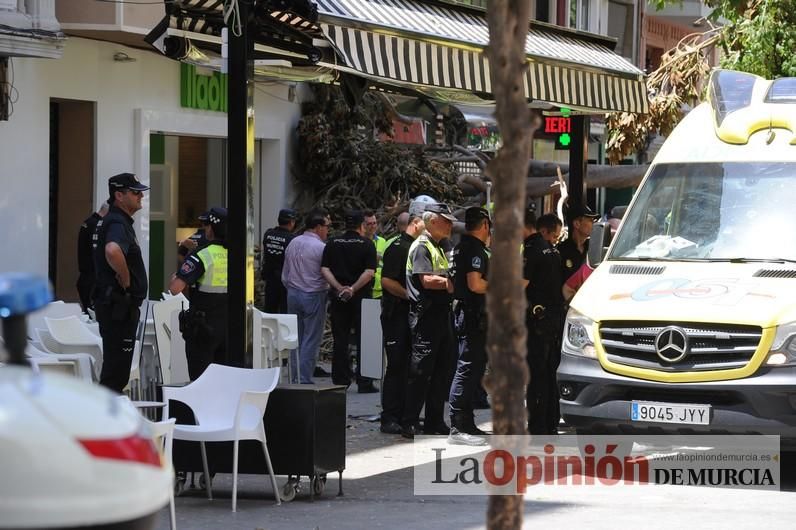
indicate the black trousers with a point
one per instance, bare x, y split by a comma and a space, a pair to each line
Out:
85, 284
209, 345
429, 367
542, 391
397, 344
471, 335
275, 293
118, 341
345, 316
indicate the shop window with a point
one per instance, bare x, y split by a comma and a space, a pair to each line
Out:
621, 25
579, 14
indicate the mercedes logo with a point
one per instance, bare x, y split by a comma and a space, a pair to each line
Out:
671, 344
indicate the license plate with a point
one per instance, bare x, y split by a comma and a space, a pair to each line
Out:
670, 413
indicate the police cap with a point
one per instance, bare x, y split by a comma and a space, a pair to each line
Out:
217, 215
581, 210
125, 181
474, 215
286, 215
441, 209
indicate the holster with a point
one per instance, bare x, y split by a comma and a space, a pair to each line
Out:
193, 324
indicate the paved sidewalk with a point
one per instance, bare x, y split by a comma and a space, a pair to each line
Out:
378, 491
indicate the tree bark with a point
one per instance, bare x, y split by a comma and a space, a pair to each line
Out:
598, 176
508, 29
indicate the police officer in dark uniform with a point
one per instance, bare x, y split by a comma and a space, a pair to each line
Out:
573, 251
204, 325
85, 257
121, 279
395, 325
349, 264
275, 241
195, 241
544, 319
429, 289
469, 271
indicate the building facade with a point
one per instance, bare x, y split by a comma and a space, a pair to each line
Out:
111, 104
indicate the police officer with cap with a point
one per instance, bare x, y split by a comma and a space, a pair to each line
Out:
275, 241
429, 289
469, 272
204, 325
121, 283
573, 251
544, 319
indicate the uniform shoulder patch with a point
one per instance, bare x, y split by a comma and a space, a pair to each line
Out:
476, 262
188, 266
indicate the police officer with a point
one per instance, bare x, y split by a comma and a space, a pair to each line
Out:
348, 264
573, 250
85, 257
469, 272
275, 241
544, 319
395, 324
429, 290
121, 279
195, 241
204, 325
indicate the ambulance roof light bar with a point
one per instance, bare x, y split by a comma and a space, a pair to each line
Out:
782, 90
730, 91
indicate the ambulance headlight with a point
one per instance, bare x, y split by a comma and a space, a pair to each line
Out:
578, 335
783, 349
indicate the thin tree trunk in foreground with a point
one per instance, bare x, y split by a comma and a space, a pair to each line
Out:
508, 29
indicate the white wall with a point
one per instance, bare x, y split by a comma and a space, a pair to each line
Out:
133, 99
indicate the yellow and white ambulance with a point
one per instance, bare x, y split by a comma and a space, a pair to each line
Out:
689, 323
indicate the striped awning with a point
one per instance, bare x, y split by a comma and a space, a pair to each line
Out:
409, 42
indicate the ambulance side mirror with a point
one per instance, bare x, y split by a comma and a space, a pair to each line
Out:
599, 242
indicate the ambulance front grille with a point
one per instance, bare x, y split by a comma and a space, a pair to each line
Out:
710, 346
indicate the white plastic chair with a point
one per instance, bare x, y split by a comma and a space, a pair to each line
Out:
58, 309
263, 343
274, 337
228, 404
72, 336
81, 362
54, 366
161, 316
179, 359
45, 343
133, 386
163, 433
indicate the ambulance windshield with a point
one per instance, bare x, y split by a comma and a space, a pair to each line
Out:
734, 211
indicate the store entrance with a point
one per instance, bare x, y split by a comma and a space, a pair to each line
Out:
188, 174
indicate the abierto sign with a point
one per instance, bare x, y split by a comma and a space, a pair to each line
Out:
203, 92
515, 465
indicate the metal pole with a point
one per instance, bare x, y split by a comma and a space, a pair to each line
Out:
578, 159
240, 231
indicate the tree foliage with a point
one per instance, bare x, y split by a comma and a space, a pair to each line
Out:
341, 164
756, 36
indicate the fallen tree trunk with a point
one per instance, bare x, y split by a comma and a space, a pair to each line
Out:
597, 176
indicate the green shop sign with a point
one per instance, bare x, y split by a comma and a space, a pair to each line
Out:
204, 92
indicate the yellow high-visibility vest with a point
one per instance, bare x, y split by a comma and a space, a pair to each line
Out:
214, 280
